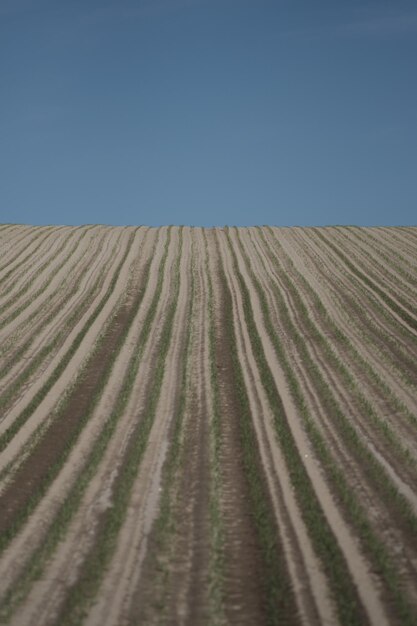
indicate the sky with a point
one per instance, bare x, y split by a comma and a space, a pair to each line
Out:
208, 112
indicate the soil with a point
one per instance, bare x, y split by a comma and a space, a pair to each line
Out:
163, 570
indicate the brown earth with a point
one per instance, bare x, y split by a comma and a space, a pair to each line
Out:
211, 527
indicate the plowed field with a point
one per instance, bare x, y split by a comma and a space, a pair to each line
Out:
208, 426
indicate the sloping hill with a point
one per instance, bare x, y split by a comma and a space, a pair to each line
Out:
208, 426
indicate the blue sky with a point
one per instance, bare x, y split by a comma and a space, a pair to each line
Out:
208, 112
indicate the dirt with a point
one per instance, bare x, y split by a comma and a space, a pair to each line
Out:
156, 576
66, 381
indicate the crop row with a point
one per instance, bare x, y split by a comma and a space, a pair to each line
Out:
212, 426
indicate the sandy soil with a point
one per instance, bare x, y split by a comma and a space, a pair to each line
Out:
42, 326
190, 548
66, 381
17, 246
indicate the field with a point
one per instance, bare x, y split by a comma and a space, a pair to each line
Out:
208, 426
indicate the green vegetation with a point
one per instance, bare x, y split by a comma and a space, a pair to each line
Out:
290, 277
321, 535
14, 428
58, 338
38, 234
8, 304
60, 523
83, 591
67, 289
410, 320
217, 355
216, 564
281, 602
325, 543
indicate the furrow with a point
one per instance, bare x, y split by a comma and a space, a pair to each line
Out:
95, 476
312, 596
396, 307
45, 324
382, 270
44, 394
383, 563
20, 282
389, 248
118, 589
29, 374
330, 267
406, 237
173, 582
360, 323
9, 266
208, 426
40, 286
327, 411
318, 503
79, 596
338, 374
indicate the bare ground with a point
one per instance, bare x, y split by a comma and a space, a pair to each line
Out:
213, 530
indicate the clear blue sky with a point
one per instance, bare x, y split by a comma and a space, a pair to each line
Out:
208, 112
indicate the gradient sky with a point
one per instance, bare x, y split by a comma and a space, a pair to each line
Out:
208, 112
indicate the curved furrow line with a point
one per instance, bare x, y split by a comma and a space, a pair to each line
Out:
99, 457
15, 310
43, 282
357, 474
79, 595
381, 270
391, 248
391, 345
48, 447
33, 233
257, 584
142, 343
8, 237
20, 281
25, 371
334, 381
19, 387
394, 395
53, 244
124, 573
347, 570
194, 583
395, 239
21, 284
9, 230
42, 396
407, 236
81, 500
372, 544
386, 260
24, 264
396, 403
180, 535
370, 324
393, 303
8, 284
312, 596
26, 321
50, 452
216, 560
341, 360
208, 426
372, 303
384, 347
330, 267
54, 310
382, 562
